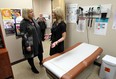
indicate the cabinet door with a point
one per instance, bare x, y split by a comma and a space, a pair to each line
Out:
5, 66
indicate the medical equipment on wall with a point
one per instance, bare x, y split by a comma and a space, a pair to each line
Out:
93, 12
79, 13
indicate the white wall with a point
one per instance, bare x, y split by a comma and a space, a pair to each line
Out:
108, 42
43, 7
13, 45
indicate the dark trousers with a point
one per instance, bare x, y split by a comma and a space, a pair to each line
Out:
31, 60
43, 33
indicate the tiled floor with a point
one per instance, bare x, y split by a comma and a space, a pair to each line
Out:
22, 70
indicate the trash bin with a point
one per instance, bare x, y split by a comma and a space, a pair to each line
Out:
108, 67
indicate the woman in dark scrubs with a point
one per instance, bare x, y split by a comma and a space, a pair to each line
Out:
58, 32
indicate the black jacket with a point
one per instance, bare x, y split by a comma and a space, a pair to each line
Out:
31, 36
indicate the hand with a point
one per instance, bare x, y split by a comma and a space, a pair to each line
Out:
47, 36
54, 44
28, 48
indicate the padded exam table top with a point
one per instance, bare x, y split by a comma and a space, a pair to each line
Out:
81, 54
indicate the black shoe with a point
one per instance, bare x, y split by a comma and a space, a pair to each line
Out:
35, 70
41, 64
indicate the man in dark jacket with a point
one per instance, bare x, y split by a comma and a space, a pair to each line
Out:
42, 23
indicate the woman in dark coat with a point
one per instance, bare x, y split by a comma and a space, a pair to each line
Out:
58, 32
31, 38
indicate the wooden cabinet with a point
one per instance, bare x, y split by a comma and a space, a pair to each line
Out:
2, 44
5, 66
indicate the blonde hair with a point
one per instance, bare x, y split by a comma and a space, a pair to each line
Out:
25, 13
58, 13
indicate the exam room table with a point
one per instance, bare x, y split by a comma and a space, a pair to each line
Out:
72, 62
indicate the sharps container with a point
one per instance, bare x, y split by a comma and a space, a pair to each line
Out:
108, 67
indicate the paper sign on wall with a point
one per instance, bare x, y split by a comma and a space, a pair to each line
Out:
71, 13
114, 22
81, 26
101, 26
